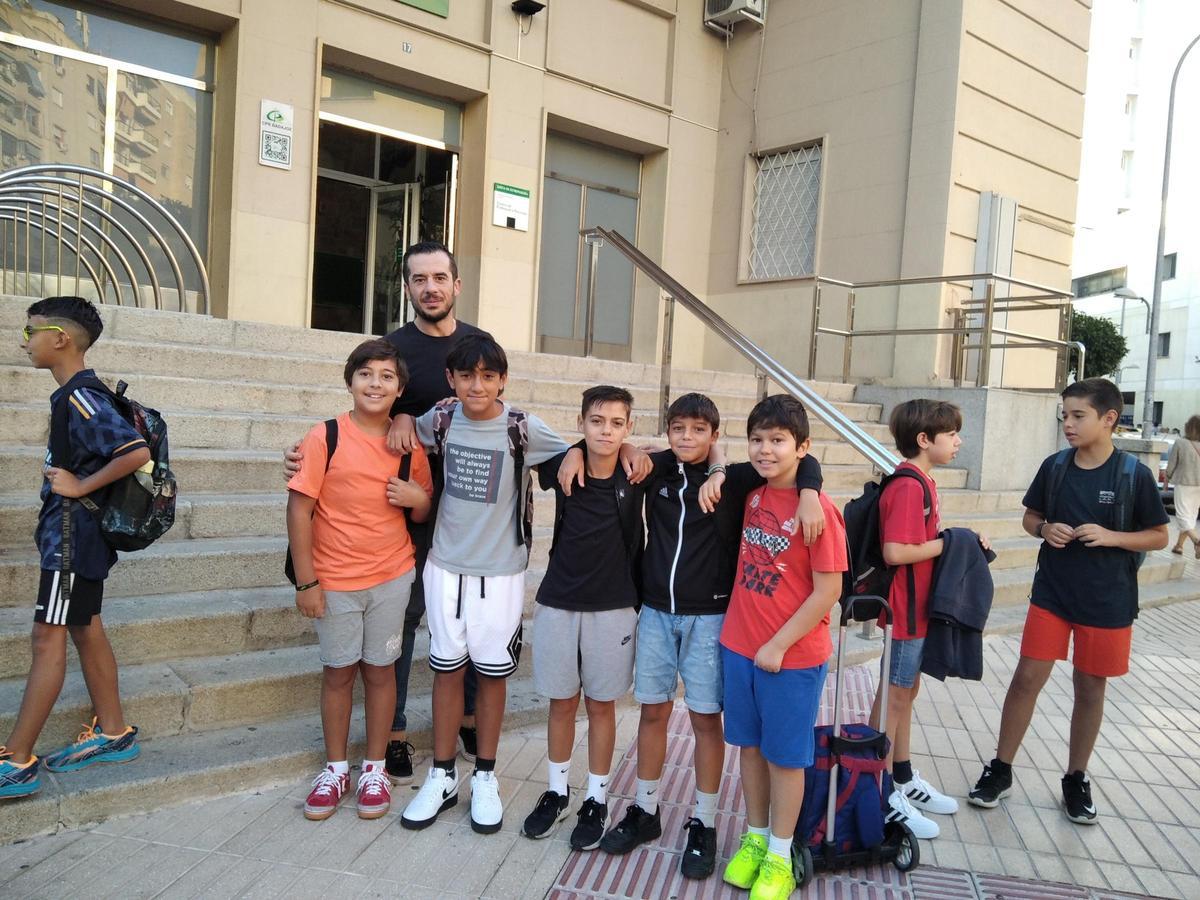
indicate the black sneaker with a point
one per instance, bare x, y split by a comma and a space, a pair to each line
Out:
590, 828
637, 827
550, 810
700, 855
1077, 798
991, 787
397, 762
468, 743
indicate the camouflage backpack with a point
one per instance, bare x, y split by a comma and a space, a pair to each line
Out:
135, 511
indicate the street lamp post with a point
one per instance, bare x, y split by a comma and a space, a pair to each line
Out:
1156, 301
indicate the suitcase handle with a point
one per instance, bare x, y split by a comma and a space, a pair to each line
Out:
865, 608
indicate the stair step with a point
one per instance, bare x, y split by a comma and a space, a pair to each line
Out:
1013, 585
191, 766
167, 567
196, 516
174, 626
249, 396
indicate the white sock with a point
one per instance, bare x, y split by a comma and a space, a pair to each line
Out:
780, 846
706, 809
376, 764
647, 795
598, 787
558, 776
339, 768
765, 831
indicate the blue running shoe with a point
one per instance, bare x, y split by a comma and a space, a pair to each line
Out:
15, 780
93, 746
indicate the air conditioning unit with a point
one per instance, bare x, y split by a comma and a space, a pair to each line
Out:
727, 13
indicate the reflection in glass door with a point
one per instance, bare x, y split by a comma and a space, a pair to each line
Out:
396, 223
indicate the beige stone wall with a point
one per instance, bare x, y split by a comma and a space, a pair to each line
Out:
920, 107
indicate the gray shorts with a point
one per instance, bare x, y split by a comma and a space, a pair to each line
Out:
592, 651
365, 625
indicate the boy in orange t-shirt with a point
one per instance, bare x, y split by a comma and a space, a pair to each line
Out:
354, 563
775, 647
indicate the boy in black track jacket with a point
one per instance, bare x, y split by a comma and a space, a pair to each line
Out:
687, 576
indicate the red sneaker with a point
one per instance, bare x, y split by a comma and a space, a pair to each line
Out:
328, 788
374, 793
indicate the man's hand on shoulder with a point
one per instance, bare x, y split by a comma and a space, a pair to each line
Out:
402, 436
292, 457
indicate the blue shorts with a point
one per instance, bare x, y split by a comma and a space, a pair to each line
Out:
773, 711
906, 662
669, 647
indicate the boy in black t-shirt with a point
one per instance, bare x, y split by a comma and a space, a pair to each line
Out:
1095, 510
583, 627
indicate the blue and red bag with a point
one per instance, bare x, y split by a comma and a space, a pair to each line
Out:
858, 824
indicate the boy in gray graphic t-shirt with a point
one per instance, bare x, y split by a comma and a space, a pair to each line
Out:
475, 574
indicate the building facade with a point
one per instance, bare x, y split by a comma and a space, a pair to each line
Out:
848, 139
1135, 48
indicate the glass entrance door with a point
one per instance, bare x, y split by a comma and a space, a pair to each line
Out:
396, 226
376, 196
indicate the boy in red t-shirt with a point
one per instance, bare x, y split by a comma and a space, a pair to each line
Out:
775, 647
355, 565
926, 433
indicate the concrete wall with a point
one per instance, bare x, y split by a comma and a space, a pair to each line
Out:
1006, 434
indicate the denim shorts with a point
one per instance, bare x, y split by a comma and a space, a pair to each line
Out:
773, 711
669, 647
906, 661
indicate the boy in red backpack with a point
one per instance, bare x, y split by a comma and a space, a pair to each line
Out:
926, 434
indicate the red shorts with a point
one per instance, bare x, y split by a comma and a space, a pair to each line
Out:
1103, 652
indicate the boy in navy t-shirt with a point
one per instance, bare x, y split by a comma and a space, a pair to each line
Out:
103, 448
1085, 589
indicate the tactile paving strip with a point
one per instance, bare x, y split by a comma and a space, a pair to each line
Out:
652, 871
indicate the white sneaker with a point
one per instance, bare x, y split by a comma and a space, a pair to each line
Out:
487, 812
437, 794
924, 796
902, 811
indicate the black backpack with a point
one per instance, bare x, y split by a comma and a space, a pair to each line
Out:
1123, 490
868, 575
331, 442
135, 511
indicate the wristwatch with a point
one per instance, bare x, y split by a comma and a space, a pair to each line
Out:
1040, 527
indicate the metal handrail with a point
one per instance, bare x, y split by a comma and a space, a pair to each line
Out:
985, 307
50, 180
875, 452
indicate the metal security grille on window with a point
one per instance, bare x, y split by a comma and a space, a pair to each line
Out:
784, 236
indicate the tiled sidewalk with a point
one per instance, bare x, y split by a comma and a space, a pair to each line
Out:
1147, 786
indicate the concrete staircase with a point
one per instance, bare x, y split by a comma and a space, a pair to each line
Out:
217, 668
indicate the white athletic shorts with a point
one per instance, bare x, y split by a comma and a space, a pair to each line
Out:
474, 618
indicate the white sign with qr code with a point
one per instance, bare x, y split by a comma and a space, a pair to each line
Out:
275, 135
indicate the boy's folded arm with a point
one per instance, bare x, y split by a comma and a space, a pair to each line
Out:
896, 554
116, 468
299, 527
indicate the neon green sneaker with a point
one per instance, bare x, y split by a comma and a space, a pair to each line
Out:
775, 881
742, 870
